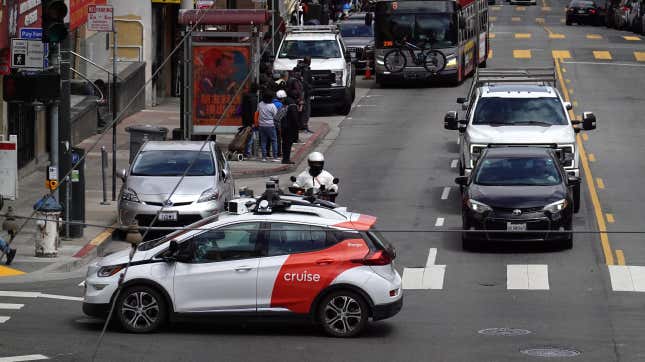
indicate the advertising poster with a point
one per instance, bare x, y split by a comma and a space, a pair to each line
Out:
218, 72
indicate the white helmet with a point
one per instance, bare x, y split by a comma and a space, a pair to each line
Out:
316, 162
281, 94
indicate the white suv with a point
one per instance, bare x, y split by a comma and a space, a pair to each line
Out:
517, 107
332, 71
272, 255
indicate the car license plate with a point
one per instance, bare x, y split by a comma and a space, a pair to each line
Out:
581, 11
352, 54
167, 216
515, 227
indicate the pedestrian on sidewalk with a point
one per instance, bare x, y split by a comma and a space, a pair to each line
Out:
277, 101
289, 127
266, 113
296, 89
7, 250
249, 106
307, 82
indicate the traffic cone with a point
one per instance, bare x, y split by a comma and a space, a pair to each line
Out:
368, 72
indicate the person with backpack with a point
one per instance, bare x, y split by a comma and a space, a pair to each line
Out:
289, 127
278, 102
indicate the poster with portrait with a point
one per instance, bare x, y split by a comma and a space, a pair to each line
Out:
218, 72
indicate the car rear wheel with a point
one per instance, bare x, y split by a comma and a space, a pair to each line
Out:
568, 21
343, 314
141, 309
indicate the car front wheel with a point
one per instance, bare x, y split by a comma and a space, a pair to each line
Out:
343, 314
141, 309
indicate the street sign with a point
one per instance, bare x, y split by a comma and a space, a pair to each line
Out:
27, 54
9, 168
36, 33
100, 17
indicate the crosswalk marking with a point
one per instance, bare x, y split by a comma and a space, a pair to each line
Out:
9, 293
602, 55
439, 222
429, 277
640, 56
631, 38
594, 36
527, 277
627, 278
522, 35
522, 53
561, 54
30, 357
4, 319
445, 193
453, 163
11, 306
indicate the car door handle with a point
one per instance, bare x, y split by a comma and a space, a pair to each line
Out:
243, 268
324, 261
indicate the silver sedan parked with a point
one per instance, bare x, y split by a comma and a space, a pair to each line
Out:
155, 172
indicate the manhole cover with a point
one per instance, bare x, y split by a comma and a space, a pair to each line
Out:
551, 352
504, 332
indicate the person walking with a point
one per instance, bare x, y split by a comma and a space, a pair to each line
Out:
249, 106
7, 250
307, 82
296, 90
278, 102
289, 126
266, 113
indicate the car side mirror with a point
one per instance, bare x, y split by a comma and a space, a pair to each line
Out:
335, 181
461, 180
568, 106
450, 121
588, 121
123, 174
573, 180
368, 19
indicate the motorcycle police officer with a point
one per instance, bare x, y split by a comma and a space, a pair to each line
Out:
316, 176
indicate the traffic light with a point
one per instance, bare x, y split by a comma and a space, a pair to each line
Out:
54, 28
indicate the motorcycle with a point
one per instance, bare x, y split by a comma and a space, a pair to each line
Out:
321, 193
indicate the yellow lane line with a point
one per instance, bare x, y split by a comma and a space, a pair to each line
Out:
539, 20
522, 35
601, 183
632, 38
594, 36
516, 19
602, 55
610, 218
520, 8
9, 272
490, 53
585, 137
592, 157
602, 227
620, 256
546, 8
640, 56
522, 53
575, 103
561, 54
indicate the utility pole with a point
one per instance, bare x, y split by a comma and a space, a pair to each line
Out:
115, 108
53, 114
64, 123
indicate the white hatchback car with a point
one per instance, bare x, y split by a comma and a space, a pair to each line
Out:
288, 256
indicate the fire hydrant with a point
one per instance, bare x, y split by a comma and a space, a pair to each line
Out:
48, 212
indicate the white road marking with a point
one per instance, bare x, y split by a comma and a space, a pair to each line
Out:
439, 222
528, 277
4, 319
627, 278
8, 293
81, 284
430, 277
445, 193
11, 306
453, 163
606, 63
29, 357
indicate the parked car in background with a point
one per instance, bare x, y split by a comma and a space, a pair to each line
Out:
583, 12
154, 174
359, 39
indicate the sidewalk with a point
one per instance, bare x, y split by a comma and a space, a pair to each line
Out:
74, 253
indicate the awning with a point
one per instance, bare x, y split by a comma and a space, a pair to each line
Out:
224, 16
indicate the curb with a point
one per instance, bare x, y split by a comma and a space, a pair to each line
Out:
298, 156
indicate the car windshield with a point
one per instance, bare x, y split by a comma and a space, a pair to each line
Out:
582, 4
296, 49
356, 30
173, 163
438, 30
517, 171
496, 111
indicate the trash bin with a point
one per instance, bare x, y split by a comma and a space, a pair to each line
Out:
47, 239
140, 134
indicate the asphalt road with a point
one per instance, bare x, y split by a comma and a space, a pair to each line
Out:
394, 159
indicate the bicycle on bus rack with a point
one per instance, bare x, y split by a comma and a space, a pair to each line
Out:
432, 60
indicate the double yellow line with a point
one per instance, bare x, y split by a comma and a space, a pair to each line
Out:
602, 226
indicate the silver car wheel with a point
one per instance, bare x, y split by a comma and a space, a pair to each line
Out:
140, 310
343, 314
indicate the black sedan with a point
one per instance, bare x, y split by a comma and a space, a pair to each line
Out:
583, 12
517, 190
359, 39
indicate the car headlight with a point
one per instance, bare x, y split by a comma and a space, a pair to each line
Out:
556, 207
478, 207
108, 271
129, 195
451, 61
209, 195
339, 77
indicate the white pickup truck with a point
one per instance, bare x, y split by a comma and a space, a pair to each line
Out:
517, 107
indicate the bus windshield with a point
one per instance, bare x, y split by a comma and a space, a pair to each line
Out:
434, 26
